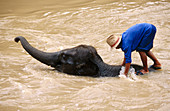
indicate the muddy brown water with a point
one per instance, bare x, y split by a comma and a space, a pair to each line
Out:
52, 25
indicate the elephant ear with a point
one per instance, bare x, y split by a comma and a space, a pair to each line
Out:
95, 57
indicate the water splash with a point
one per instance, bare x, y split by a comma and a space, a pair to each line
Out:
130, 76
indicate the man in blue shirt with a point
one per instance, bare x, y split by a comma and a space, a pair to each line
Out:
140, 38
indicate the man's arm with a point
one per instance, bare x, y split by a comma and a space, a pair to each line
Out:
127, 67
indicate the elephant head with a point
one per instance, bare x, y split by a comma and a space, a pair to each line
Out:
75, 61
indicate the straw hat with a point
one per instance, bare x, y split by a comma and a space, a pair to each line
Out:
113, 40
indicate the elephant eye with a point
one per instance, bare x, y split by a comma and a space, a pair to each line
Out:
64, 56
67, 59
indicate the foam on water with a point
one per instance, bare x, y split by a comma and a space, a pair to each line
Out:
131, 74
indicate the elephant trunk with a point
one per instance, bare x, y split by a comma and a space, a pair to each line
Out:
46, 58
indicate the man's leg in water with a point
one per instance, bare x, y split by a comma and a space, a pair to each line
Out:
144, 61
155, 60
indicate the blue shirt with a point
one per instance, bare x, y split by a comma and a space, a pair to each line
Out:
133, 37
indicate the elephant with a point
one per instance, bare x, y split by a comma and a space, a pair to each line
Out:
82, 60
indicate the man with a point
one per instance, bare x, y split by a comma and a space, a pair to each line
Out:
140, 38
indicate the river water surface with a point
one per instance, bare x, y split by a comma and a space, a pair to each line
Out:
52, 25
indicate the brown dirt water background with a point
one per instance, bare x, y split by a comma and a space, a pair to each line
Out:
28, 85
